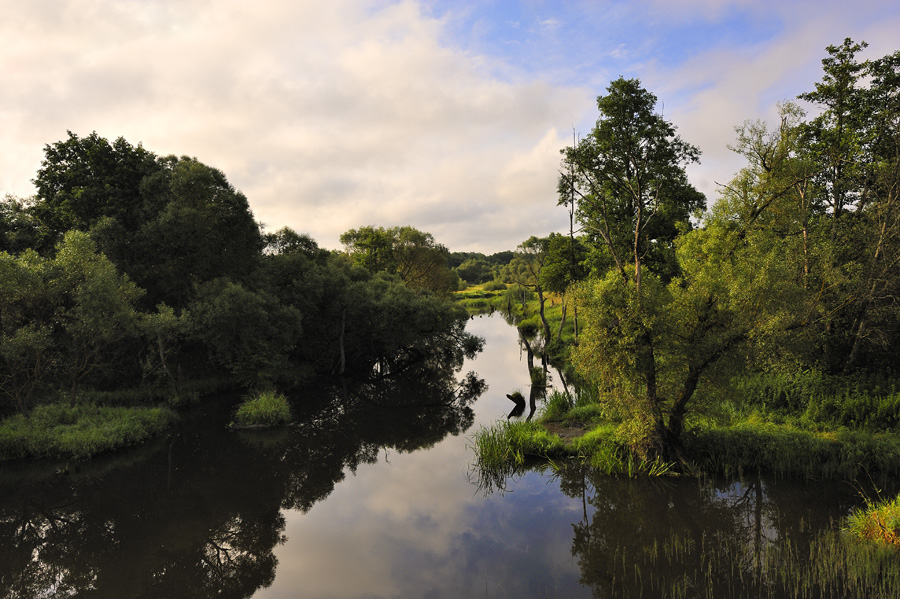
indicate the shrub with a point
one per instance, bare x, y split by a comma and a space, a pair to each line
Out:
494, 286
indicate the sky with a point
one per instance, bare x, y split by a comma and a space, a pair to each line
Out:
445, 115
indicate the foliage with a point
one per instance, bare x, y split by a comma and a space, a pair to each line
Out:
132, 271
878, 522
81, 431
267, 409
419, 261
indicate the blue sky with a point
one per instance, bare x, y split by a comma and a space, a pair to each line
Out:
448, 116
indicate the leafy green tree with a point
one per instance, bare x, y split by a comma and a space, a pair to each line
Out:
633, 195
83, 179
25, 329
96, 311
249, 333
168, 223
563, 267
475, 271
19, 229
203, 230
371, 247
411, 254
164, 332
628, 176
288, 241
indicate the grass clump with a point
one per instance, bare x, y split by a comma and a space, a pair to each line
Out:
878, 522
80, 431
265, 409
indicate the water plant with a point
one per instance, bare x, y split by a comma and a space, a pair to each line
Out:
267, 408
878, 522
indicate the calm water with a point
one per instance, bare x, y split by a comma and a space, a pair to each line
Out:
366, 502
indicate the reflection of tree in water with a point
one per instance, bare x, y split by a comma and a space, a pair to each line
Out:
200, 515
682, 538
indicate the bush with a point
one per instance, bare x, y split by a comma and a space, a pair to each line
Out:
494, 286
266, 409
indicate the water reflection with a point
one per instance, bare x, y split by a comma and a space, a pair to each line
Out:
200, 514
347, 504
713, 538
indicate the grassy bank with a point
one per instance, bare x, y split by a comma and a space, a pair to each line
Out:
560, 431
80, 431
750, 443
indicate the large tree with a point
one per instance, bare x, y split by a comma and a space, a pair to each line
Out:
629, 180
633, 197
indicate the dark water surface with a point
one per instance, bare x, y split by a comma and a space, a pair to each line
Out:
366, 502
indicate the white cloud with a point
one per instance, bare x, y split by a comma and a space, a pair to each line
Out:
327, 116
335, 115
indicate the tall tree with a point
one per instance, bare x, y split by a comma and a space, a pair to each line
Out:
411, 254
629, 179
634, 197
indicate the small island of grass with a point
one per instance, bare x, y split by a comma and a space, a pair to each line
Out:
264, 409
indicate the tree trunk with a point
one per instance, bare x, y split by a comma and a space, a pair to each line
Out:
343, 363
562, 320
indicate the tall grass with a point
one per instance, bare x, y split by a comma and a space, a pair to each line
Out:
878, 522
753, 446
80, 431
504, 448
265, 409
818, 401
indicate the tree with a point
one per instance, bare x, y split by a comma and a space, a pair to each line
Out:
633, 194
25, 329
249, 333
96, 307
562, 268
168, 223
411, 254
628, 176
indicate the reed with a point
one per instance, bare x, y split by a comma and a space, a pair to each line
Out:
878, 522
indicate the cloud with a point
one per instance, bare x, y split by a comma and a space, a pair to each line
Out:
334, 115
326, 116
713, 91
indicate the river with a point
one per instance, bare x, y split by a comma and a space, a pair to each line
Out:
378, 503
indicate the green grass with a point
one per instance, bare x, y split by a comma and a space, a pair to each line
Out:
748, 444
80, 431
878, 522
784, 450
265, 409
504, 448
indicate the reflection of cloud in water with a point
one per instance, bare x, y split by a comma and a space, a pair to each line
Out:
433, 539
411, 525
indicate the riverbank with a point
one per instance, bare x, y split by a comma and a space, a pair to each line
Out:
751, 443
59, 431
